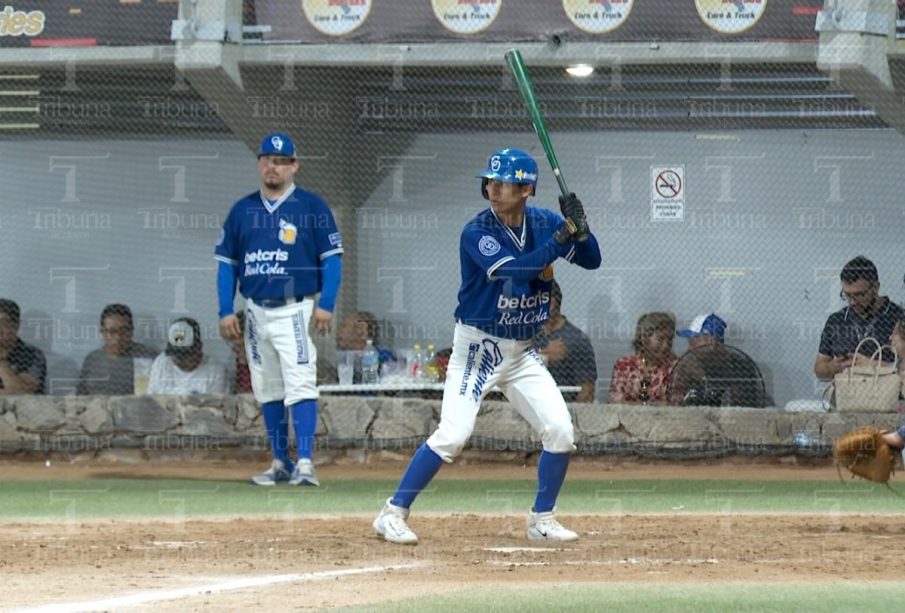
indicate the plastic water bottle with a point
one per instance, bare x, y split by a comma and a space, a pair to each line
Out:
416, 368
802, 439
431, 374
370, 364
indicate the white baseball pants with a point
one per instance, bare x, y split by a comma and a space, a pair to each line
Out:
479, 362
281, 356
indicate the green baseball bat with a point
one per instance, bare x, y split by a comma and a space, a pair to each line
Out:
517, 65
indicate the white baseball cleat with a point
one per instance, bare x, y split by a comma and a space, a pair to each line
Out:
390, 524
276, 473
304, 473
544, 527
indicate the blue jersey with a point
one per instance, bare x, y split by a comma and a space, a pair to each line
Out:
505, 307
278, 247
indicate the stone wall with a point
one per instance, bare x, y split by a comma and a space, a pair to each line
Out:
85, 423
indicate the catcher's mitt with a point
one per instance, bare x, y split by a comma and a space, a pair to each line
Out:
865, 454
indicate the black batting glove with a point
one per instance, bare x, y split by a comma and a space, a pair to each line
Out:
573, 211
564, 234
571, 206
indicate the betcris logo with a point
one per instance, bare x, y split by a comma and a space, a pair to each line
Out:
19, 23
523, 302
263, 262
529, 310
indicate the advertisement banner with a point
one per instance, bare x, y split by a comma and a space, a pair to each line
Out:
79, 23
426, 21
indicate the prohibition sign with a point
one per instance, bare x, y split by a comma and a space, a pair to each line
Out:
668, 184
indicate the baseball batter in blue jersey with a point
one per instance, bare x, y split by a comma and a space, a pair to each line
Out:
506, 252
281, 246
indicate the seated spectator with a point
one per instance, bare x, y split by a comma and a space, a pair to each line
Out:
23, 368
866, 314
643, 376
242, 383
183, 368
710, 374
897, 340
567, 352
110, 370
353, 335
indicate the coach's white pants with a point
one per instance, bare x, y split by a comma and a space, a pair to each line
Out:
479, 362
281, 357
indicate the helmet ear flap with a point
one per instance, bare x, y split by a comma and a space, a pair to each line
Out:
484, 188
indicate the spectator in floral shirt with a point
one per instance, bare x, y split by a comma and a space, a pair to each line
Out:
642, 376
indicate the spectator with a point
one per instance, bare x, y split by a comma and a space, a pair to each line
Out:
23, 369
110, 370
567, 351
897, 340
712, 375
867, 315
353, 335
643, 376
705, 332
242, 383
183, 368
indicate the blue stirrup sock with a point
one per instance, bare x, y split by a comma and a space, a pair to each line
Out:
421, 469
277, 426
304, 421
551, 472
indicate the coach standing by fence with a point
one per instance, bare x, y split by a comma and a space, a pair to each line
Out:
282, 246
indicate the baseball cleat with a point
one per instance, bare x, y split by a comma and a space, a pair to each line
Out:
390, 524
544, 527
304, 473
277, 473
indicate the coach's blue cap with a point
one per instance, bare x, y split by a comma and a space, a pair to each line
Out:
705, 325
277, 143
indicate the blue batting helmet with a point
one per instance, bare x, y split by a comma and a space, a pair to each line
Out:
510, 166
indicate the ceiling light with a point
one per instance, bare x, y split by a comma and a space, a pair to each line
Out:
580, 70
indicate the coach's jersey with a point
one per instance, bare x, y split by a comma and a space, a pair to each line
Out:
278, 247
503, 307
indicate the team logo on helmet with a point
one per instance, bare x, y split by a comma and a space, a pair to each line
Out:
495, 163
488, 245
277, 143
521, 175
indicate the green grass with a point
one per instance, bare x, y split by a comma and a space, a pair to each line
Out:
98, 498
687, 597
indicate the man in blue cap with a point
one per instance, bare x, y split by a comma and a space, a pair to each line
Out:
714, 375
281, 246
706, 330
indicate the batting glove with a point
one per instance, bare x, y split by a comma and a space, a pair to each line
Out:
573, 211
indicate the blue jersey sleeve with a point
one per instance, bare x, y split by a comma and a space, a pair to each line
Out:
327, 237
498, 262
484, 249
227, 243
333, 268
227, 276
586, 253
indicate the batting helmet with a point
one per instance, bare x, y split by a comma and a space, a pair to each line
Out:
510, 166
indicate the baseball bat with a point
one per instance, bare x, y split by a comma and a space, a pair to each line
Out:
517, 66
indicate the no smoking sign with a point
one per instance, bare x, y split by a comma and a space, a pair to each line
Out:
667, 193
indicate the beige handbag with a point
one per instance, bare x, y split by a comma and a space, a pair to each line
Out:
872, 387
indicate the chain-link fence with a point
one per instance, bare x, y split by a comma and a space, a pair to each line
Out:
716, 181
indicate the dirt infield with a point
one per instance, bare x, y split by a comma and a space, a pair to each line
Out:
95, 560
